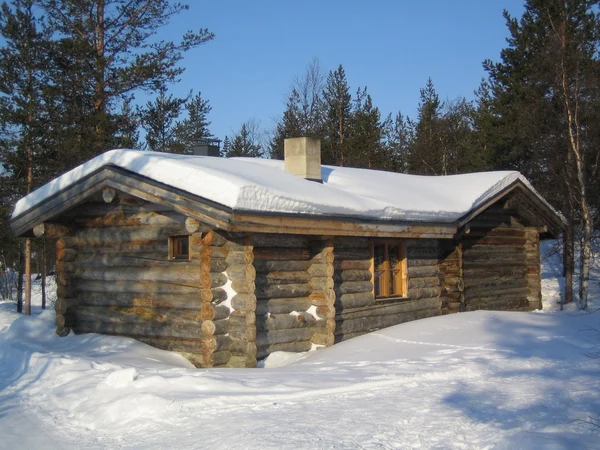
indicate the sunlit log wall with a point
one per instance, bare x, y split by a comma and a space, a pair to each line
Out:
115, 277
241, 297
357, 310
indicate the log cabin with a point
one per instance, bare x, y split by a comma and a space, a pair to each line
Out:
228, 260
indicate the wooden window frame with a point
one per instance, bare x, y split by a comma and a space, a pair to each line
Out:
400, 285
175, 252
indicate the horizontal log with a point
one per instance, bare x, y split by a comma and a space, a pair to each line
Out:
174, 344
218, 252
242, 348
325, 312
284, 321
139, 249
322, 298
423, 272
476, 231
419, 262
347, 301
325, 339
66, 254
241, 272
95, 237
278, 254
267, 240
243, 286
353, 287
282, 305
281, 336
136, 287
424, 282
353, 275
343, 242
138, 314
417, 293
349, 264
244, 302
373, 323
495, 281
51, 230
216, 239
166, 301
352, 253
498, 304
320, 270
494, 240
282, 291
320, 284
281, 266
480, 291
221, 358
177, 273
239, 258
198, 359
400, 307
492, 249
135, 330
295, 347
283, 278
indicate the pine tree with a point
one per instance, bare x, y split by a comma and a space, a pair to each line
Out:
246, 142
546, 94
226, 146
366, 134
159, 119
22, 108
425, 157
338, 107
195, 126
107, 46
399, 137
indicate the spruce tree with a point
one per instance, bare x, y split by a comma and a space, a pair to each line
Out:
425, 157
23, 117
159, 119
338, 106
246, 142
195, 126
366, 134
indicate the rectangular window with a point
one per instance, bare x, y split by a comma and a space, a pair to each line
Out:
389, 268
179, 247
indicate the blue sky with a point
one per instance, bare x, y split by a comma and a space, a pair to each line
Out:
391, 47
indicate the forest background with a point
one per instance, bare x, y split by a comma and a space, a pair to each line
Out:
71, 70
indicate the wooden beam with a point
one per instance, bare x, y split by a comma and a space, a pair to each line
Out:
108, 194
50, 230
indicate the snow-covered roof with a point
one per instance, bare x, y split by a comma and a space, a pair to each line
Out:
262, 186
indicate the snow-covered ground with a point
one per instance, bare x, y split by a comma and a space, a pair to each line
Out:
480, 380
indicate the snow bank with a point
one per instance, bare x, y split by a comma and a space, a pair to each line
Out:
260, 185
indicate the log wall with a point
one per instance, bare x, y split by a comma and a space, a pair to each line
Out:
284, 319
357, 310
115, 278
498, 253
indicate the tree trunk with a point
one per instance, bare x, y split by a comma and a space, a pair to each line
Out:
43, 272
20, 284
28, 277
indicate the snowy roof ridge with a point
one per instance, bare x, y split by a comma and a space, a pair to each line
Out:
262, 186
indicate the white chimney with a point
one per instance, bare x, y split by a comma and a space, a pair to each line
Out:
303, 157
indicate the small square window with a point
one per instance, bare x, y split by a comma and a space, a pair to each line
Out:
179, 247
